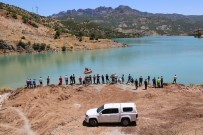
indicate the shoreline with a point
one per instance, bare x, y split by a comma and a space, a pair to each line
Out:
93, 45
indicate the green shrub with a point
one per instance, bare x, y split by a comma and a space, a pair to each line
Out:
39, 47
14, 16
48, 47
23, 37
25, 20
80, 39
34, 24
42, 47
35, 46
63, 48
57, 34
92, 36
21, 44
1, 5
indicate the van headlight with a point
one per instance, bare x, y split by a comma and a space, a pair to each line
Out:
86, 115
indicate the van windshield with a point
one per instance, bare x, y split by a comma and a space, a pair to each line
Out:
100, 108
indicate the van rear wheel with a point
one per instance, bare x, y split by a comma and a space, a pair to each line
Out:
93, 122
125, 122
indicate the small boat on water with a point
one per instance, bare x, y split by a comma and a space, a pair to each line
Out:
87, 71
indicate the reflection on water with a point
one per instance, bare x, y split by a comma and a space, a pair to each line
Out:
153, 56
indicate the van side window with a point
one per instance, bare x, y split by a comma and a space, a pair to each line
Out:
115, 110
110, 111
106, 111
127, 109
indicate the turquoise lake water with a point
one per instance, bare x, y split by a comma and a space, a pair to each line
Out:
154, 56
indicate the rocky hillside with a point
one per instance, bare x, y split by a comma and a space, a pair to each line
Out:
127, 20
26, 32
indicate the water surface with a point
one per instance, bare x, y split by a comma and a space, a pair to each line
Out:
154, 56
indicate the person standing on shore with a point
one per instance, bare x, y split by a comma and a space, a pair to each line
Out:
107, 78
98, 79
136, 84
48, 80
174, 79
94, 78
102, 79
122, 79
90, 79
80, 79
145, 84
40, 81
66, 79
129, 79
60, 80
162, 81
34, 83
73, 79
27, 82
154, 82
148, 78
30, 82
140, 81
158, 82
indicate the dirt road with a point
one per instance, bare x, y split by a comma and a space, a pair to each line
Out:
175, 109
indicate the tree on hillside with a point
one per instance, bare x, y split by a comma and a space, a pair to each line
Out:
199, 34
14, 15
57, 34
92, 36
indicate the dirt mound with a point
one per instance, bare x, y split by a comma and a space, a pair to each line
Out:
60, 110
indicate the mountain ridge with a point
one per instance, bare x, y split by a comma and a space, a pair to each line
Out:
127, 20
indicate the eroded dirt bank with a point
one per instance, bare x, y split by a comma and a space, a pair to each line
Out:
60, 110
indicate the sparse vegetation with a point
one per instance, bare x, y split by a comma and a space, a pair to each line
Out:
63, 48
57, 34
25, 19
14, 15
39, 47
92, 36
33, 24
23, 37
22, 44
5, 90
199, 34
86, 28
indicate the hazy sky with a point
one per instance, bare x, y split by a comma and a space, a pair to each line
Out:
49, 7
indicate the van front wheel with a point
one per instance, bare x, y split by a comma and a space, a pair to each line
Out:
125, 122
93, 122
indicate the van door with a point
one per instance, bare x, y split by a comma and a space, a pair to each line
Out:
105, 116
115, 116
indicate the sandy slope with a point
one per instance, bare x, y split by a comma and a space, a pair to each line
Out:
60, 110
12, 31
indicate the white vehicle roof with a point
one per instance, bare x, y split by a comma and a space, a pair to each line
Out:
118, 105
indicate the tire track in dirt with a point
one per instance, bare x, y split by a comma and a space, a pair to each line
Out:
26, 127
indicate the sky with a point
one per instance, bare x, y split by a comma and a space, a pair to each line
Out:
49, 7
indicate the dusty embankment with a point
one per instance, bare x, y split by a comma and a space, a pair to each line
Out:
53, 110
14, 30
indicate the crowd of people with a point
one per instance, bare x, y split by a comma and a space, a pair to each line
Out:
105, 79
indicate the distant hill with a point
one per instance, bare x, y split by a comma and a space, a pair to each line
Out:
127, 20
23, 31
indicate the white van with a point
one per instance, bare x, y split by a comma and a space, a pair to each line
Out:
112, 113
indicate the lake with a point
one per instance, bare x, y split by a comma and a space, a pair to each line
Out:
155, 56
